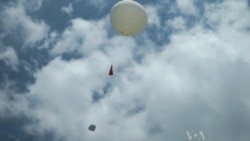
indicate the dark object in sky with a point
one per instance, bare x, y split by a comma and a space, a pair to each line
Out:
92, 127
111, 70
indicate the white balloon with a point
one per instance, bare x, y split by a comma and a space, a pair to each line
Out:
128, 17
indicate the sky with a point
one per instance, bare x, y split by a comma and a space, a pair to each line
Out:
184, 77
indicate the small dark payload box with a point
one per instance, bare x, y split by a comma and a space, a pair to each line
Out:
92, 127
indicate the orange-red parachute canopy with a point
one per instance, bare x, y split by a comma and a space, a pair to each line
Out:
111, 70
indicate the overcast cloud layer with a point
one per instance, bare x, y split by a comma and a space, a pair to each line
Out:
186, 73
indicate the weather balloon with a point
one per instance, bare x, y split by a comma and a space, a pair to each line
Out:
128, 17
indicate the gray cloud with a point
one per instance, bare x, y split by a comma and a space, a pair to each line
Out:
198, 81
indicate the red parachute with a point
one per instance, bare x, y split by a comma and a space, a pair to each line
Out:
111, 70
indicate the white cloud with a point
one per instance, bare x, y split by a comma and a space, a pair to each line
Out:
80, 34
15, 19
98, 4
33, 5
68, 9
187, 7
10, 57
4, 104
199, 81
177, 23
86, 37
232, 13
71, 84
227, 19
153, 17
11, 104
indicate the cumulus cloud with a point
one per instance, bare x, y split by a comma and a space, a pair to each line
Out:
15, 19
177, 23
81, 35
187, 7
197, 82
68, 9
33, 5
11, 105
230, 11
86, 37
153, 17
10, 57
99, 5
